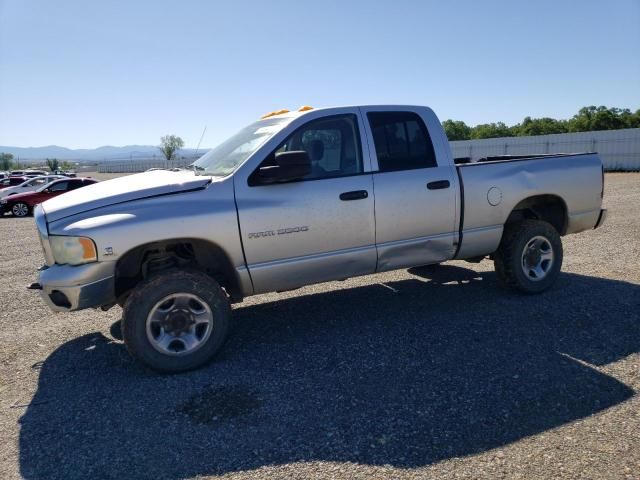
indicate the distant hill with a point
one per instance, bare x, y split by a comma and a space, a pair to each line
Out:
100, 154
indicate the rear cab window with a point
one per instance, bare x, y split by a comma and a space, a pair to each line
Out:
402, 141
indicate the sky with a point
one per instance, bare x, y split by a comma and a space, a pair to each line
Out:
83, 74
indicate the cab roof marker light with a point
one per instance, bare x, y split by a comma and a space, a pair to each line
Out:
274, 113
305, 108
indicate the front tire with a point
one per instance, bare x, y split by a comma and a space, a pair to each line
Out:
529, 258
20, 209
176, 321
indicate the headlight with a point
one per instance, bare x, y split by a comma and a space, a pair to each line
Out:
4, 201
73, 250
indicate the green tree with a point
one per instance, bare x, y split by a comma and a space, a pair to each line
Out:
586, 120
492, 130
541, 126
456, 130
53, 164
630, 119
66, 166
601, 118
169, 145
6, 161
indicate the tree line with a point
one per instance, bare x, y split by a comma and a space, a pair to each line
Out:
587, 119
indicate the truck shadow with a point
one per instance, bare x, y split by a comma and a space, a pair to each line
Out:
407, 373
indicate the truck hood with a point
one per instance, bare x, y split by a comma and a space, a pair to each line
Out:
123, 189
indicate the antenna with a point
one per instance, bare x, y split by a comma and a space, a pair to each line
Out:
201, 137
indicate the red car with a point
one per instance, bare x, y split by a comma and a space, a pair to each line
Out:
22, 204
12, 181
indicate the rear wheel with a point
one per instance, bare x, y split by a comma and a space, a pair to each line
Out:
20, 209
176, 321
529, 257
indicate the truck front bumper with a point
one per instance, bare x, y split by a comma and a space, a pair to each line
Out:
601, 218
66, 288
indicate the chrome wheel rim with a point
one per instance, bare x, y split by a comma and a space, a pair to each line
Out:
20, 210
537, 258
179, 324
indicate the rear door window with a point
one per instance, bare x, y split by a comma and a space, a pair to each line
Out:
401, 141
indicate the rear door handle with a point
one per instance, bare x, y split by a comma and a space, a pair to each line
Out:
355, 195
438, 185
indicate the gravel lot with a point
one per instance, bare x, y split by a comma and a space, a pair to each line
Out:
428, 373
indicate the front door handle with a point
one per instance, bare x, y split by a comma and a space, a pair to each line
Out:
355, 195
438, 185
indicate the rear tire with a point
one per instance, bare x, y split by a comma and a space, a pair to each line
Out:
20, 209
176, 321
529, 257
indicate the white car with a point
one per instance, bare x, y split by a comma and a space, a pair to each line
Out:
28, 186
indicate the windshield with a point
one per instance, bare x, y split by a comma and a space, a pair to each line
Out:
229, 155
35, 182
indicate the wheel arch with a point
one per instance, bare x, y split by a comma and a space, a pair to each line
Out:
547, 207
147, 259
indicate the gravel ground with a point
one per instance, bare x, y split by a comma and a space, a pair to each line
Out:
427, 373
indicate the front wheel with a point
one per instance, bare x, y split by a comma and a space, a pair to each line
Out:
20, 209
176, 321
529, 257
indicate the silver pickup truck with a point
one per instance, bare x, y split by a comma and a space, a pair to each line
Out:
298, 198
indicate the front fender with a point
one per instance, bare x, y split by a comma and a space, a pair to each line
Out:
208, 215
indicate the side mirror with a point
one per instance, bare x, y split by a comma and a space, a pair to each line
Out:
288, 166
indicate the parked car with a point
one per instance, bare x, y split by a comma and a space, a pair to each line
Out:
28, 172
13, 181
35, 172
22, 204
65, 173
290, 201
28, 186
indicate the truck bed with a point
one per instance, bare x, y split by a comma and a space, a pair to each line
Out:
490, 190
500, 158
